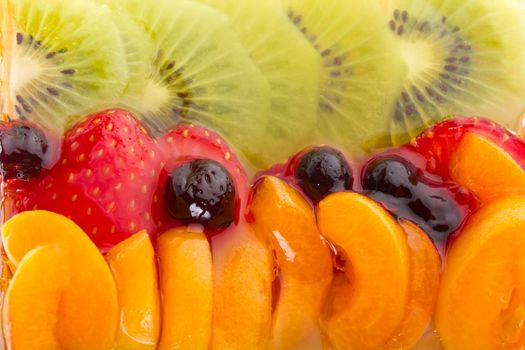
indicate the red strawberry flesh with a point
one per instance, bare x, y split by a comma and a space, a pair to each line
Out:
104, 180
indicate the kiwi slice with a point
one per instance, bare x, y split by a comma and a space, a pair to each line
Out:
361, 69
139, 52
289, 63
65, 58
200, 73
463, 58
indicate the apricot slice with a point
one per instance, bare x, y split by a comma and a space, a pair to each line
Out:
485, 169
242, 290
365, 309
186, 290
425, 269
285, 221
32, 300
88, 312
134, 268
481, 298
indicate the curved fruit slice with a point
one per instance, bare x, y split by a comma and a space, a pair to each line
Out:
361, 69
460, 60
365, 311
201, 73
480, 303
67, 56
88, 312
275, 46
438, 143
134, 268
425, 269
285, 221
186, 288
485, 169
32, 301
139, 52
242, 290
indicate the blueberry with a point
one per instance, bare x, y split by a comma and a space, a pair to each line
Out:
323, 170
23, 148
401, 188
201, 191
391, 175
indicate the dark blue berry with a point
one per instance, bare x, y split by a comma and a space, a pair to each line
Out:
401, 188
323, 170
201, 191
23, 148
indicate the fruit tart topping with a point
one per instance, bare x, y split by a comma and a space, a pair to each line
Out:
323, 170
397, 184
62, 295
180, 147
425, 269
368, 301
485, 168
285, 221
242, 290
23, 150
480, 302
104, 180
437, 144
186, 287
134, 267
201, 191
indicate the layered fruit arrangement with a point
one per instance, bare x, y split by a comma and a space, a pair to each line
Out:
324, 250
279, 174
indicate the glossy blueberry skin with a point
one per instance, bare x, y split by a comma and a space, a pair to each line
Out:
23, 148
201, 192
322, 171
400, 187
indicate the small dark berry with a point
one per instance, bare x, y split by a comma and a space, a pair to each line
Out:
400, 187
391, 175
201, 191
23, 148
323, 170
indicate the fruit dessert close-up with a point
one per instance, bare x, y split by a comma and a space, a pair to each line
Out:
276, 175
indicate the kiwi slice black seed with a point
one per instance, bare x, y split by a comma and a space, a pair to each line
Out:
464, 57
289, 63
200, 73
67, 58
361, 69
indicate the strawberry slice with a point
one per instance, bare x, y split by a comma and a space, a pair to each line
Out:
104, 180
437, 143
188, 142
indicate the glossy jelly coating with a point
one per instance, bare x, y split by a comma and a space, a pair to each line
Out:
397, 184
322, 171
201, 191
23, 149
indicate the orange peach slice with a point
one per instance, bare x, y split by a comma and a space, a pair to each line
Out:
370, 302
186, 290
134, 268
425, 269
485, 169
286, 222
32, 301
242, 290
88, 314
481, 298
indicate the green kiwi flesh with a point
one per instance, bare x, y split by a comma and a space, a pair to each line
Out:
200, 73
361, 69
291, 66
464, 58
67, 59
